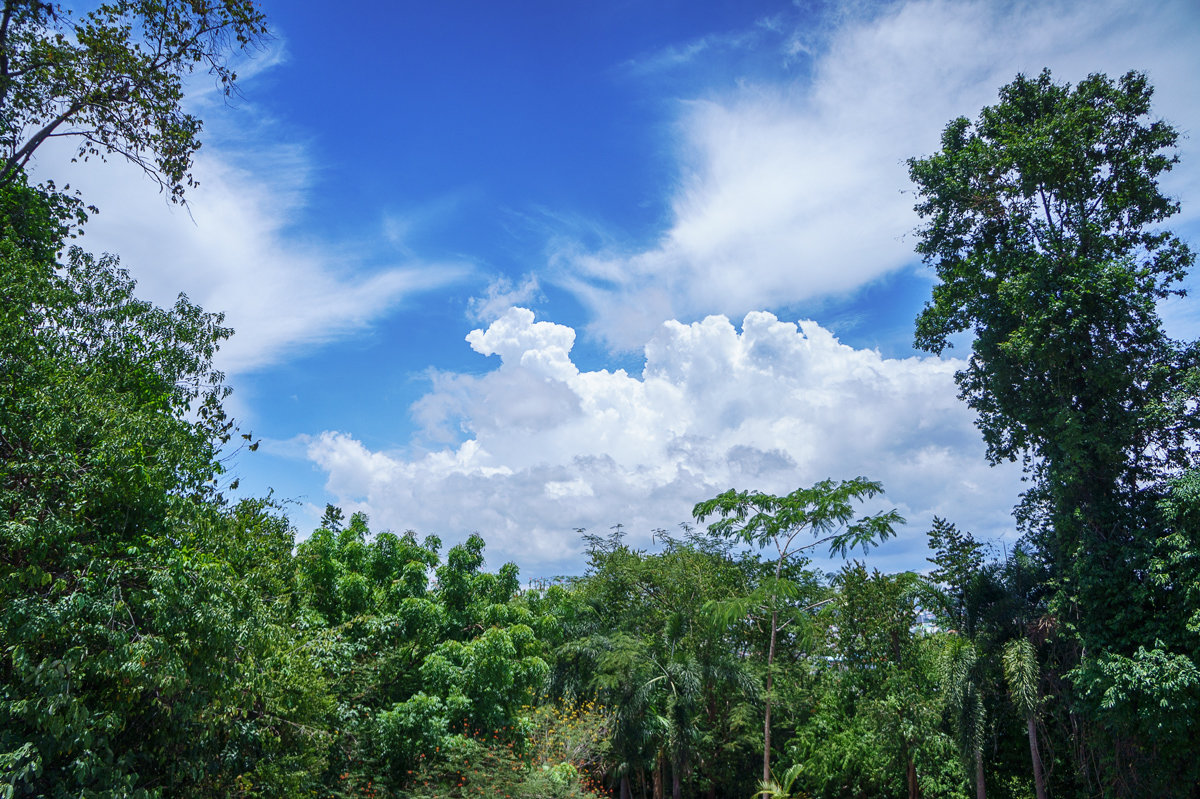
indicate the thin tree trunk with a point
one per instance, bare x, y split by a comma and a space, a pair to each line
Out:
1039, 781
911, 774
676, 782
4, 76
767, 721
980, 791
658, 776
625, 792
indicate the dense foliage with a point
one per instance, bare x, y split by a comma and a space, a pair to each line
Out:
1042, 221
158, 640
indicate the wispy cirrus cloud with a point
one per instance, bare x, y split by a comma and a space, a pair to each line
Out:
235, 249
677, 56
238, 246
794, 188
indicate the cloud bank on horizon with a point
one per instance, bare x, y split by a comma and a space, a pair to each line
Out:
538, 447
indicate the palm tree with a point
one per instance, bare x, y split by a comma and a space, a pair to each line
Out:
773, 789
1021, 674
960, 682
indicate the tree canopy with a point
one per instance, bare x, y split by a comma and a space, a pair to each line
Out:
1043, 220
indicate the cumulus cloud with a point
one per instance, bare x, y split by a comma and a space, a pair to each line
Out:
792, 191
536, 447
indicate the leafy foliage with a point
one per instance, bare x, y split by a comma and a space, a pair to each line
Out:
1043, 221
112, 78
1039, 225
157, 640
133, 641
826, 510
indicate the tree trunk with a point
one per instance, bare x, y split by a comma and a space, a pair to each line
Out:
676, 782
625, 792
1039, 781
980, 791
767, 721
911, 775
658, 777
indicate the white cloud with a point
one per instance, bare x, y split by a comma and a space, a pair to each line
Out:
794, 191
502, 294
234, 250
674, 57
540, 448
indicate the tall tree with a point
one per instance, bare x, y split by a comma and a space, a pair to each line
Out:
1043, 222
1042, 226
825, 510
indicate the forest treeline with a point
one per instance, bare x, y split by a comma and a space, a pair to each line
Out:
158, 639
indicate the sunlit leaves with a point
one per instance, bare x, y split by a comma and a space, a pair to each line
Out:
111, 78
826, 510
1043, 220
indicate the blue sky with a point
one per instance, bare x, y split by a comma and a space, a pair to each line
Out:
529, 267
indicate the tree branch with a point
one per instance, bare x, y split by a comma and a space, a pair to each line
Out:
22, 156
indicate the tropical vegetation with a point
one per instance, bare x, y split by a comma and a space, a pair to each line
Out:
158, 639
